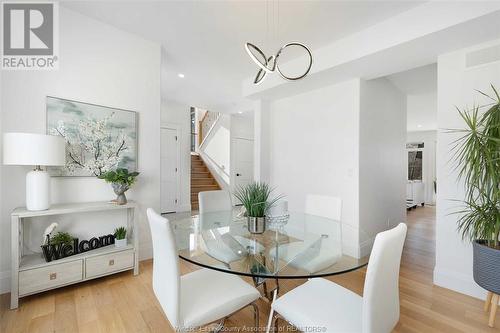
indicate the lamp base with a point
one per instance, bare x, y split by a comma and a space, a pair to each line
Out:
37, 190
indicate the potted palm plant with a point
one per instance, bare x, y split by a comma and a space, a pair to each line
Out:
255, 197
121, 180
477, 153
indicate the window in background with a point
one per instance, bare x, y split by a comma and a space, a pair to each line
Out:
415, 160
193, 129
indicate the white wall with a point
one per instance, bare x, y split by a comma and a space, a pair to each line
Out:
422, 112
262, 146
429, 139
314, 145
456, 87
174, 113
382, 167
328, 142
98, 64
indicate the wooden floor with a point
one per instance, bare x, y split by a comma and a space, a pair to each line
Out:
124, 303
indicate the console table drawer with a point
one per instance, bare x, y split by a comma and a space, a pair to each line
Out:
105, 264
52, 276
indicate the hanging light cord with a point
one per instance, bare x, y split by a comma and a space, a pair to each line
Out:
270, 64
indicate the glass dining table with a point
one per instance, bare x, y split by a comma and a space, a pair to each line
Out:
305, 246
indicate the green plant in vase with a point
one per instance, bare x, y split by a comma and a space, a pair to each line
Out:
255, 197
477, 154
121, 180
120, 236
61, 238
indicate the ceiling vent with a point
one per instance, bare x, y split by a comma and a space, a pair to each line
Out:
483, 56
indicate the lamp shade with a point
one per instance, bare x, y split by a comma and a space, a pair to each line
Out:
33, 149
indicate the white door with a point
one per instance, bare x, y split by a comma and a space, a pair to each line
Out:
169, 169
243, 163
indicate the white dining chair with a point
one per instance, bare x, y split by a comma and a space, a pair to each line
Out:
198, 298
322, 304
209, 202
324, 205
214, 201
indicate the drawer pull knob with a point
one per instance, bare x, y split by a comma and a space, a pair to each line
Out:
53, 276
111, 262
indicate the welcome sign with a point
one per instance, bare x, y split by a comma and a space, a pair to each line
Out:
59, 251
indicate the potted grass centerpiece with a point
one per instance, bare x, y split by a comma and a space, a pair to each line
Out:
255, 197
477, 154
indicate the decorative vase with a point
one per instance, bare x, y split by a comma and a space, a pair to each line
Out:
120, 190
486, 266
256, 225
120, 242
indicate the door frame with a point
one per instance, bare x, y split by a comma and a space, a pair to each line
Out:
177, 128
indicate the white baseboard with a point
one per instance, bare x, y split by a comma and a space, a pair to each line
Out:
459, 282
4, 282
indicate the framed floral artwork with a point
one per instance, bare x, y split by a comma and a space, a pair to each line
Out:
98, 138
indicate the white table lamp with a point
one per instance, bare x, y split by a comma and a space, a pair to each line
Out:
35, 150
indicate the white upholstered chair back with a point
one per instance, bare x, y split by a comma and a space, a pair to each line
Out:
166, 274
325, 206
381, 290
214, 201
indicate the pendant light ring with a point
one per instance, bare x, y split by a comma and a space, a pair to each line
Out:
308, 67
261, 74
262, 66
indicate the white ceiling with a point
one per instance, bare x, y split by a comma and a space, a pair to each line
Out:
416, 81
420, 86
204, 39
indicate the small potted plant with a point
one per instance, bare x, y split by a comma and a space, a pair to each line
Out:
477, 153
121, 180
255, 199
59, 240
121, 237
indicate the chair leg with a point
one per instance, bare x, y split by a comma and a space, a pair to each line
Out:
255, 315
493, 312
220, 326
488, 301
274, 323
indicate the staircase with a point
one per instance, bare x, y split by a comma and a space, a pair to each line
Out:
201, 180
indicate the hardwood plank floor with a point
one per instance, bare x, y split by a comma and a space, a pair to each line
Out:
124, 303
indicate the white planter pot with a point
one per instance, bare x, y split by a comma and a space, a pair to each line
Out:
120, 242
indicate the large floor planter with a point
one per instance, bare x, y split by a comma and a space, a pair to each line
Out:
486, 266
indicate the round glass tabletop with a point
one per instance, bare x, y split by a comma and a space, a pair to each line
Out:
302, 246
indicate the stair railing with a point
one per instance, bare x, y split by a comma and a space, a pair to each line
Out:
205, 125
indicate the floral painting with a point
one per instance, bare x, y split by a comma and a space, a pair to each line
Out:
98, 138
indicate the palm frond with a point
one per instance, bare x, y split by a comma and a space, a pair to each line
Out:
476, 153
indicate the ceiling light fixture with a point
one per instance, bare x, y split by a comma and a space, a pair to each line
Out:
419, 126
270, 64
180, 75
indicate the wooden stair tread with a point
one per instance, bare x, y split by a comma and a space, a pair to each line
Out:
204, 185
201, 180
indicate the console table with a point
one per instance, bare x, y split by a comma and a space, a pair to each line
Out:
31, 274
